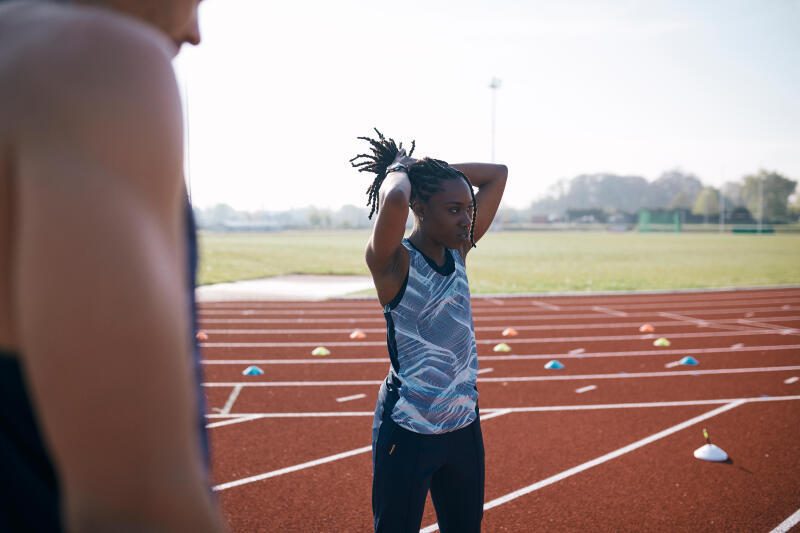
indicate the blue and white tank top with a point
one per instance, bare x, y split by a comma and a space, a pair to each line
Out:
431, 341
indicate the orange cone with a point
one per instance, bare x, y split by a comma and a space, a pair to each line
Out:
202, 336
358, 334
510, 332
647, 328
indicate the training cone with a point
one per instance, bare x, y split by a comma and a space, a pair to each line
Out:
555, 364
661, 342
502, 347
510, 332
320, 350
710, 452
252, 371
647, 328
688, 360
202, 336
358, 334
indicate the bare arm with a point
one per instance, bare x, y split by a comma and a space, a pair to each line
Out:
490, 179
101, 286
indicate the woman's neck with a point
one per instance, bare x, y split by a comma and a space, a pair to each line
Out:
428, 246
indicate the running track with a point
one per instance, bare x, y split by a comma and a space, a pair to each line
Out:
603, 445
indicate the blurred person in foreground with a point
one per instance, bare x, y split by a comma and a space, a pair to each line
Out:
101, 424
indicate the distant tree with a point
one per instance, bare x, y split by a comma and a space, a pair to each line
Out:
776, 190
674, 189
707, 203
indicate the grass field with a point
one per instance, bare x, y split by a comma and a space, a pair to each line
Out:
512, 262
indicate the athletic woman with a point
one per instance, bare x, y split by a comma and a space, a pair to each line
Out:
426, 432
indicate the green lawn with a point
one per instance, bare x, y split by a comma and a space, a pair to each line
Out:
530, 261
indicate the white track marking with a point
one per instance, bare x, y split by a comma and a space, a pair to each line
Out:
495, 301
760, 323
316, 462
586, 389
598, 461
546, 340
608, 311
576, 351
519, 314
540, 327
245, 417
295, 468
793, 379
672, 364
705, 323
231, 399
234, 420
788, 524
509, 379
494, 414
546, 305
349, 398
485, 370
384, 360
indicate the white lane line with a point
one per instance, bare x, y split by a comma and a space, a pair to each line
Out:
485, 370
672, 364
231, 399
543, 340
289, 469
234, 420
705, 323
546, 305
586, 389
349, 398
244, 417
541, 327
793, 379
495, 301
788, 524
599, 460
773, 327
576, 351
310, 464
523, 357
563, 377
494, 414
608, 311
519, 315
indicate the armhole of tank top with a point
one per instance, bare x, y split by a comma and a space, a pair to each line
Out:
399, 296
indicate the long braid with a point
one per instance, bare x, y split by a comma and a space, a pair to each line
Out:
425, 175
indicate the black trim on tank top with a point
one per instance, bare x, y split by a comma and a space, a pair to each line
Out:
399, 296
446, 269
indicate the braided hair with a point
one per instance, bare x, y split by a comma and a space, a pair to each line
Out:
425, 175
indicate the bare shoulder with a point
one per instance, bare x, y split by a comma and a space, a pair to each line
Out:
69, 56
96, 90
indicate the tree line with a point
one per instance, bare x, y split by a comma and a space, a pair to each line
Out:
673, 190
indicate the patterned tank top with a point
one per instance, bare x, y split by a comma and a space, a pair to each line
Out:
431, 341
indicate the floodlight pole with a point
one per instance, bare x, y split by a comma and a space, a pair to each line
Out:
760, 202
494, 85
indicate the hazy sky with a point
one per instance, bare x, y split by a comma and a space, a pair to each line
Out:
279, 90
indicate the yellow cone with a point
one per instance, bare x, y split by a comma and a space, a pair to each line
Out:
502, 347
661, 342
320, 350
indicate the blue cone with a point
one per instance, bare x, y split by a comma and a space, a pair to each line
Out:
252, 371
688, 360
555, 364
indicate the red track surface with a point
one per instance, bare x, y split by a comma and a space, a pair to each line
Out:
536, 422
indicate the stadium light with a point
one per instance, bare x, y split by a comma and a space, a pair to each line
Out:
494, 85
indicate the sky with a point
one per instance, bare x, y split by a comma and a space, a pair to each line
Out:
278, 91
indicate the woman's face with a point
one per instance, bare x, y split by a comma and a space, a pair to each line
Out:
447, 215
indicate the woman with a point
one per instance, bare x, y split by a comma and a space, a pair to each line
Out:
426, 432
